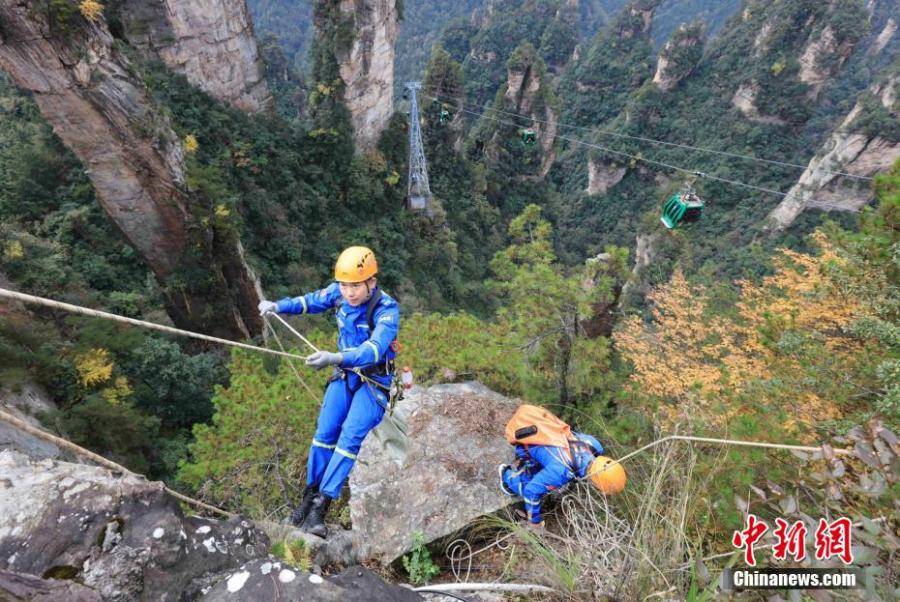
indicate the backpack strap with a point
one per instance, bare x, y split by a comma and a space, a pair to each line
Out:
370, 310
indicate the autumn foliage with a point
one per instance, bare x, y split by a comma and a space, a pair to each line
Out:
786, 353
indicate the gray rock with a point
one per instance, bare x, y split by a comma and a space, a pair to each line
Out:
272, 580
211, 42
848, 151
121, 535
24, 401
367, 66
439, 479
337, 551
15, 587
93, 95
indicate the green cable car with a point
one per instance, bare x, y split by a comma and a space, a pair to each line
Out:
444, 116
683, 207
528, 137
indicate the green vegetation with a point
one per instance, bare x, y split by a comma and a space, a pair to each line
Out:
722, 333
293, 552
418, 563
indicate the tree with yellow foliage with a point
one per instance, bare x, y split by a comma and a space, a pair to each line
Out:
90, 9
789, 356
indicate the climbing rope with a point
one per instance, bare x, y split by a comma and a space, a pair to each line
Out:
274, 334
32, 299
91, 456
388, 412
77, 309
731, 442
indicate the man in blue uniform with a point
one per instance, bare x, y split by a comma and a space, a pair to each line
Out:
545, 468
368, 321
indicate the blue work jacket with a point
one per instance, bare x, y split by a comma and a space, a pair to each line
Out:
551, 468
360, 348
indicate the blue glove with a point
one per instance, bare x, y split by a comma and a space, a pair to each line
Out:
265, 307
323, 359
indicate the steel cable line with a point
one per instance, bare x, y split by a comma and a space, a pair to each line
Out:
666, 143
811, 203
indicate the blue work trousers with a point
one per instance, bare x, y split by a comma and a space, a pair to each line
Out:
545, 469
351, 408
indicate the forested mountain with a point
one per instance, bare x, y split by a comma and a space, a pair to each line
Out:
161, 163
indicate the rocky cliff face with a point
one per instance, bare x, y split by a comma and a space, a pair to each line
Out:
94, 98
822, 57
678, 57
744, 100
527, 94
119, 535
211, 42
120, 538
848, 150
366, 64
24, 402
603, 175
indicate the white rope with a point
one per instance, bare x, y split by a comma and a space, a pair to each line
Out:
293, 330
125, 320
732, 442
738, 442
271, 329
484, 587
97, 459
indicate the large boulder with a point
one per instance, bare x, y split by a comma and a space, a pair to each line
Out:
119, 535
438, 478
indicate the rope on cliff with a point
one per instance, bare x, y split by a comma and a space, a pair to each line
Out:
134, 322
100, 460
844, 452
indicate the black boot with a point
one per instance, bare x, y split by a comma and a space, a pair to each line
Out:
315, 520
300, 512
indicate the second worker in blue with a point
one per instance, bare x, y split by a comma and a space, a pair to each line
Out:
368, 322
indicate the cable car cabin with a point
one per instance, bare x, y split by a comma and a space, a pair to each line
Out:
528, 137
444, 116
683, 207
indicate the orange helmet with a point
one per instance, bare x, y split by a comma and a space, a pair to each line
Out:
607, 475
355, 264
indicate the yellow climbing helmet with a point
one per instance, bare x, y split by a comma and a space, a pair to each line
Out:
355, 264
607, 475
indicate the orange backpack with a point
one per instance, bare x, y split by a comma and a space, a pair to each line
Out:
531, 425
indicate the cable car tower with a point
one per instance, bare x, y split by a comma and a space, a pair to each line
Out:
418, 193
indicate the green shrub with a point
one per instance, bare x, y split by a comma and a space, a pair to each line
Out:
418, 563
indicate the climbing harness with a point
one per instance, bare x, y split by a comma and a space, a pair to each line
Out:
342, 371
